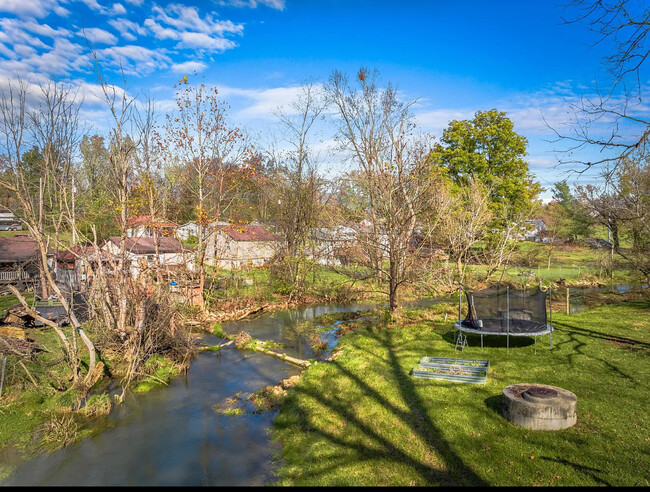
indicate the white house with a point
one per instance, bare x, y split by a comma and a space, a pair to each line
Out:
186, 230
535, 229
141, 253
232, 246
8, 221
331, 244
150, 226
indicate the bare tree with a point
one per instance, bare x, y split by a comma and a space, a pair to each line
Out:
463, 223
623, 206
624, 25
197, 134
394, 174
54, 123
297, 189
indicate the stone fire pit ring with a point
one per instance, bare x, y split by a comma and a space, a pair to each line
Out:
539, 406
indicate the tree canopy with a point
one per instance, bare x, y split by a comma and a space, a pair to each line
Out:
488, 149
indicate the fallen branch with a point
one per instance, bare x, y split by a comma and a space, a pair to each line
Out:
20, 362
284, 357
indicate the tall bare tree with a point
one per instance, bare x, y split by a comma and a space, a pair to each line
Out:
297, 189
53, 122
198, 135
376, 128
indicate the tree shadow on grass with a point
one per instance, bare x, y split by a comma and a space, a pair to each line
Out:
453, 470
585, 470
573, 334
602, 336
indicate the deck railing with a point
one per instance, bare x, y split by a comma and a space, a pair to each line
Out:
15, 275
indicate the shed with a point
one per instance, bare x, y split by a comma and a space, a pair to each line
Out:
232, 246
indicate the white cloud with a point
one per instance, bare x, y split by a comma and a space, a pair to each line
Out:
16, 31
191, 29
188, 19
541, 162
435, 121
93, 5
274, 4
137, 3
12, 35
135, 60
262, 103
118, 9
199, 40
35, 8
188, 67
23, 50
161, 32
98, 36
127, 28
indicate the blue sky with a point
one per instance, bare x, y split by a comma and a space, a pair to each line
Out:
455, 56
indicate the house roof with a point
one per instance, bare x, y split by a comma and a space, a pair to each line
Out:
77, 251
247, 232
150, 221
18, 249
147, 246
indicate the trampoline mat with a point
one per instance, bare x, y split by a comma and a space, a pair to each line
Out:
517, 326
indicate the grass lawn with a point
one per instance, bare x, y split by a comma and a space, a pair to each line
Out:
9, 300
364, 420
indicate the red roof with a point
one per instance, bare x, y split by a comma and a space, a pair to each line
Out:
146, 245
78, 251
18, 249
248, 233
150, 221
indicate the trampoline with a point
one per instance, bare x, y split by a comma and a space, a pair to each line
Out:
505, 311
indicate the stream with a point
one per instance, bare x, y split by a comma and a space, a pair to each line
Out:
173, 435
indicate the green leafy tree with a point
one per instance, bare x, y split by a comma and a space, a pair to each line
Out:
487, 149
571, 217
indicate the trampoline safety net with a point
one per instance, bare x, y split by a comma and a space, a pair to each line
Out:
502, 311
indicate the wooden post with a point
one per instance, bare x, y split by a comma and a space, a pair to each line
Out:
568, 310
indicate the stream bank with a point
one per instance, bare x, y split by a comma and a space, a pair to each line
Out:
173, 435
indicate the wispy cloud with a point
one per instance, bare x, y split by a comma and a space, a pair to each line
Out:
188, 67
118, 9
274, 4
98, 36
262, 103
32, 8
134, 59
192, 30
127, 29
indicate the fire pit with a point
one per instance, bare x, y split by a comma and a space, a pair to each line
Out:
539, 406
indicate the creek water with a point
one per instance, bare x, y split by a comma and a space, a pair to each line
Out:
173, 435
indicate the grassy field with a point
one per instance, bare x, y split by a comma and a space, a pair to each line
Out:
364, 420
573, 265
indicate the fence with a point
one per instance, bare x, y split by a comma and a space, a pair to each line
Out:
8, 276
574, 297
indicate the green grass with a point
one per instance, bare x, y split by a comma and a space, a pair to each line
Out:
327, 284
364, 420
12, 233
575, 265
159, 372
9, 300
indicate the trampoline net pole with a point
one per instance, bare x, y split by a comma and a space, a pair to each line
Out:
508, 319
